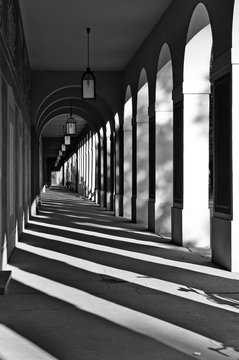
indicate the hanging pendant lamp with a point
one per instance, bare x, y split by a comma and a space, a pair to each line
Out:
88, 78
63, 145
67, 139
71, 124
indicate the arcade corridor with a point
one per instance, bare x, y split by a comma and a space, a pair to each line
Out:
88, 285
119, 179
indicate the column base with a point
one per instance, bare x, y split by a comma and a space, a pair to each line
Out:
109, 201
191, 227
5, 277
102, 198
163, 218
142, 211
34, 207
97, 197
177, 234
151, 215
118, 205
127, 206
221, 243
133, 209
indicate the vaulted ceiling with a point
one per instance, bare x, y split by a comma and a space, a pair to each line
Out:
55, 31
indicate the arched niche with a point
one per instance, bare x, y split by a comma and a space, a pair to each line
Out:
164, 143
128, 114
142, 133
196, 103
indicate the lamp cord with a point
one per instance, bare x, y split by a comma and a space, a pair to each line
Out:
88, 46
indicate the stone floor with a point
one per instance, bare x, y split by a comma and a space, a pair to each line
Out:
87, 285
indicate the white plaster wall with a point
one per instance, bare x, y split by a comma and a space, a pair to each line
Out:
164, 144
127, 211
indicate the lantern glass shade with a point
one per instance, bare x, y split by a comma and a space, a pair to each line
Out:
67, 139
88, 85
60, 153
71, 126
63, 147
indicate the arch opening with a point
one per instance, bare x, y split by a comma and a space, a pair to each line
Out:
196, 91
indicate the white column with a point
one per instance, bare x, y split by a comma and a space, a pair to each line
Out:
90, 165
142, 169
93, 168
127, 211
196, 214
164, 171
235, 169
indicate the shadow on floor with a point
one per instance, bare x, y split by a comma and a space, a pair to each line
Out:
83, 293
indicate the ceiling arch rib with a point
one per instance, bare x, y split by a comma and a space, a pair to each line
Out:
100, 106
62, 106
94, 119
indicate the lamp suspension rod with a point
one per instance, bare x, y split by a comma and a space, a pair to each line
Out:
88, 46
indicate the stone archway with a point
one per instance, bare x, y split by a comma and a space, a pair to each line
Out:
196, 100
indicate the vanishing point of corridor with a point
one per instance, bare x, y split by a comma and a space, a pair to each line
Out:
87, 285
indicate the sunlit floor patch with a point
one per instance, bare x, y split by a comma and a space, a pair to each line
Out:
115, 228
97, 234
171, 335
42, 216
46, 212
15, 347
171, 288
128, 253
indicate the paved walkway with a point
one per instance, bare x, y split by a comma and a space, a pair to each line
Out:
89, 286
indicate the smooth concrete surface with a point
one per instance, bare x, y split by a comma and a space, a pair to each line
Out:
151, 215
177, 231
221, 242
87, 285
